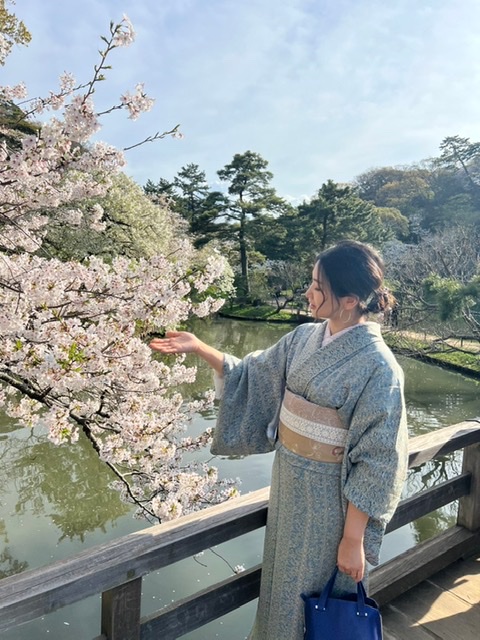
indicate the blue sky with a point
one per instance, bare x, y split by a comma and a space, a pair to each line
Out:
321, 88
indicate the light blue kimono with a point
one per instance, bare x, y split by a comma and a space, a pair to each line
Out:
357, 375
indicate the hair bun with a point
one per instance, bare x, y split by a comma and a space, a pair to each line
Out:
380, 300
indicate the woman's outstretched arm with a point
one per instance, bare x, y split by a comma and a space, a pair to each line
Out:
184, 342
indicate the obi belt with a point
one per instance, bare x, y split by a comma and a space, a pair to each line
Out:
310, 430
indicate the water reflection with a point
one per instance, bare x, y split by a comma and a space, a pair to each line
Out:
9, 565
437, 397
68, 485
429, 475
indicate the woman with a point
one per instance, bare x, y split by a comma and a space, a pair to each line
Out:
328, 397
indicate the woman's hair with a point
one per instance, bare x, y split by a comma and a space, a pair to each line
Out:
355, 268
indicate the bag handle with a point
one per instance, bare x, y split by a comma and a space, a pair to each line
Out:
327, 590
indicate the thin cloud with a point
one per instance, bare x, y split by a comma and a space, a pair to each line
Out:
322, 89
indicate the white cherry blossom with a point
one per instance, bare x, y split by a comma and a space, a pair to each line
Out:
73, 334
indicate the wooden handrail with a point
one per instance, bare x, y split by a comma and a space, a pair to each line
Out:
429, 500
442, 441
33, 593
111, 567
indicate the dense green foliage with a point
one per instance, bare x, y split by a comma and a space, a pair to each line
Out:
261, 312
12, 29
249, 196
424, 218
131, 225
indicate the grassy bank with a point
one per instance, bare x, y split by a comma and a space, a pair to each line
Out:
434, 352
265, 312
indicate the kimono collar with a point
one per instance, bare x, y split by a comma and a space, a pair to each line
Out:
313, 359
328, 337
358, 336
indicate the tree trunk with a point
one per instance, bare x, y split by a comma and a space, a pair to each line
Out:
243, 253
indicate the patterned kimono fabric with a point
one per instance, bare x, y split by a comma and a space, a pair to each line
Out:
335, 417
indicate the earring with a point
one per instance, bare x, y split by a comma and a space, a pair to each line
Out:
342, 319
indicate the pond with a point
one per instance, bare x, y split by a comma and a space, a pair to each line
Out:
56, 501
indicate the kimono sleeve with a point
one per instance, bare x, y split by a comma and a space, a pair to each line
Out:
250, 405
378, 456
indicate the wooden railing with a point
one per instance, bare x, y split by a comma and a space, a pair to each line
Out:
115, 569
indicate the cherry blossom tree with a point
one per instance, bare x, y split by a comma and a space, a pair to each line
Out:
73, 354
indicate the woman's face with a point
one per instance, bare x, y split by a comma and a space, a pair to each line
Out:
322, 302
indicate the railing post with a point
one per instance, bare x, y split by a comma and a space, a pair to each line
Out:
469, 506
121, 611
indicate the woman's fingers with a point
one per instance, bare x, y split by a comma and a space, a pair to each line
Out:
157, 346
163, 345
174, 342
351, 558
355, 574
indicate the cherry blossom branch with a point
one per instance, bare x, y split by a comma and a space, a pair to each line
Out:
175, 133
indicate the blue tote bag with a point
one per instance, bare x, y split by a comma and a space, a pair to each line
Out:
350, 617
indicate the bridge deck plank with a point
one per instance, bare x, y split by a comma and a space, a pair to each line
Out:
445, 607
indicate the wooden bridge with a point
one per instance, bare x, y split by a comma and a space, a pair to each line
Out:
418, 603
444, 607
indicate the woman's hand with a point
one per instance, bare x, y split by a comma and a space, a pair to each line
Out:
351, 558
184, 342
176, 342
